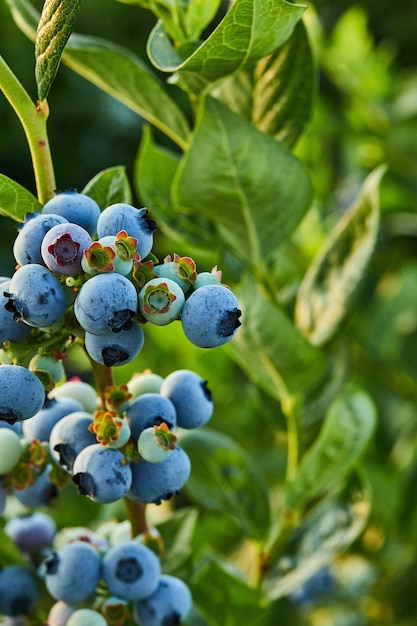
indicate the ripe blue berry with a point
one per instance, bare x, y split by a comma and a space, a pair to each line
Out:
161, 301
191, 397
63, 246
122, 216
72, 574
75, 207
210, 316
15, 405
41, 493
169, 604
31, 533
10, 329
154, 482
131, 571
35, 296
101, 473
150, 409
115, 349
27, 245
106, 303
41, 424
19, 591
69, 436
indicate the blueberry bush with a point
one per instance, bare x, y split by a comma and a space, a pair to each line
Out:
207, 369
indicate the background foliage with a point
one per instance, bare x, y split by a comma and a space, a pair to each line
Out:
297, 361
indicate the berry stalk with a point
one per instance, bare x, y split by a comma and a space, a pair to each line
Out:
33, 118
136, 512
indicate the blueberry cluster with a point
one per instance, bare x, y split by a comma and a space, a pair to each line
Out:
120, 445
93, 275
89, 277
92, 577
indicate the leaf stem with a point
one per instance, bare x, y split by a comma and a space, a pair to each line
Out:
33, 118
136, 512
291, 407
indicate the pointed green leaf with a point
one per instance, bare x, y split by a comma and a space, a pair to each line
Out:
116, 71
323, 536
250, 30
109, 186
277, 94
224, 479
270, 350
251, 186
56, 24
346, 432
332, 281
15, 200
224, 598
155, 168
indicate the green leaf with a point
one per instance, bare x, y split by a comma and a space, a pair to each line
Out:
346, 432
277, 94
270, 350
56, 24
250, 186
15, 200
231, 600
250, 30
323, 536
127, 78
332, 281
177, 532
198, 15
9, 552
224, 479
155, 168
25, 16
109, 186
117, 71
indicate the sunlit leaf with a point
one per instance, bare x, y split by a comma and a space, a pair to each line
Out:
277, 94
332, 281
